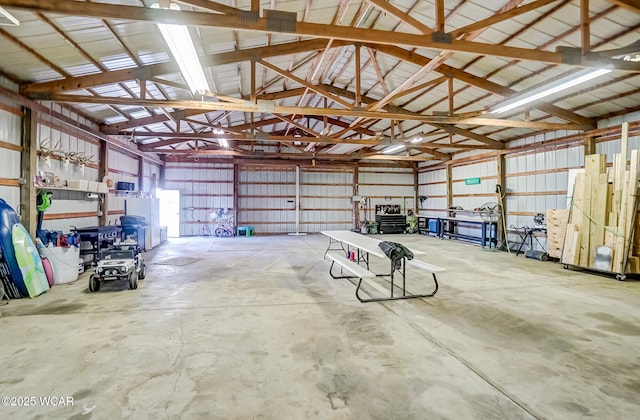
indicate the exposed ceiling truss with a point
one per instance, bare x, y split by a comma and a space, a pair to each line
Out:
338, 81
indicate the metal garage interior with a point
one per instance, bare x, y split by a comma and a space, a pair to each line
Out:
315, 116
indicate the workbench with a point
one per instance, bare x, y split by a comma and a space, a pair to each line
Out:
98, 237
449, 227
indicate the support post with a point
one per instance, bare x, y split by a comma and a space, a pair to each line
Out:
236, 200
589, 146
103, 171
28, 191
449, 187
356, 205
297, 232
501, 194
416, 187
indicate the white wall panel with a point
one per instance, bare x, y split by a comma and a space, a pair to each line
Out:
204, 188
433, 185
10, 127
326, 200
10, 160
11, 195
394, 183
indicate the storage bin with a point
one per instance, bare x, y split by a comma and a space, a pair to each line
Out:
93, 186
78, 184
125, 186
64, 262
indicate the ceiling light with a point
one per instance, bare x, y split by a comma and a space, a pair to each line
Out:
417, 139
218, 131
223, 143
181, 45
549, 89
7, 19
393, 149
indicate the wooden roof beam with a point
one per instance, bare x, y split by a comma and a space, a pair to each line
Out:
500, 17
387, 7
482, 83
151, 71
111, 11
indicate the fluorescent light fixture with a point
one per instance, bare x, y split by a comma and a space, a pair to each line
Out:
549, 89
222, 142
181, 45
393, 149
7, 19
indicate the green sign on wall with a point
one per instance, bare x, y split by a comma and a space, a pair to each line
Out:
472, 181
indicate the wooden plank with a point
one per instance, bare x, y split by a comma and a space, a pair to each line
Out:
571, 245
557, 220
618, 251
618, 180
585, 229
633, 265
610, 237
624, 140
598, 214
578, 202
632, 203
568, 250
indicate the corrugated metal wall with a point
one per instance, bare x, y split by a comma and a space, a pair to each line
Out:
68, 208
266, 196
267, 199
536, 180
385, 186
10, 133
432, 184
204, 188
474, 195
325, 199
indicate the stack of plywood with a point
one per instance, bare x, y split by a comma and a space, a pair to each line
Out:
556, 220
603, 216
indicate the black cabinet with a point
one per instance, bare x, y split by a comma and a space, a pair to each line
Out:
391, 223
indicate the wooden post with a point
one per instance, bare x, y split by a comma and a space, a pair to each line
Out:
416, 189
358, 77
449, 187
253, 82
140, 173
589, 146
236, 200
501, 193
103, 171
585, 20
440, 16
355, 205
28, 191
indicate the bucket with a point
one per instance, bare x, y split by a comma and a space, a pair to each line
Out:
64, 262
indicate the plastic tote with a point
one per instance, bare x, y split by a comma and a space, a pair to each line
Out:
64, 262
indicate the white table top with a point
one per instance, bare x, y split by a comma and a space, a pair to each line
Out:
365, 243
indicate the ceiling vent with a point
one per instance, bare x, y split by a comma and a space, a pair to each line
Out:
7, 19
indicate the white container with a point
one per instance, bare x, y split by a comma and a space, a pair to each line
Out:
78, 184
64, 262
93, 186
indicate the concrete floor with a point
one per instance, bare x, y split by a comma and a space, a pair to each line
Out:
245, 328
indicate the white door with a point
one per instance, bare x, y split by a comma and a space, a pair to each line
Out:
170, 211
